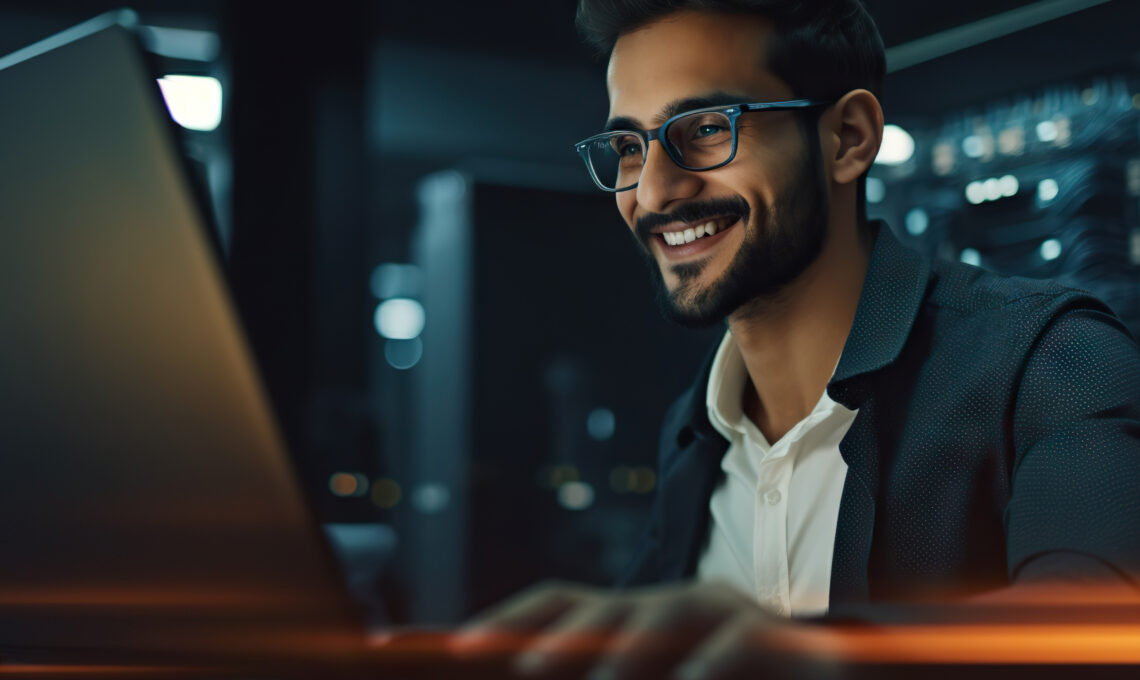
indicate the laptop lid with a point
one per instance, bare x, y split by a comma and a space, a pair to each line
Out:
146, 498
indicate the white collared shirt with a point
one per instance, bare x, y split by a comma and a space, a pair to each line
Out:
773, 516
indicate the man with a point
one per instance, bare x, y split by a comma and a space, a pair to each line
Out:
873, 427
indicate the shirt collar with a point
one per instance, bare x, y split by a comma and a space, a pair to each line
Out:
725, 387
727, 380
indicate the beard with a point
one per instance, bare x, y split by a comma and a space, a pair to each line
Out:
780, 243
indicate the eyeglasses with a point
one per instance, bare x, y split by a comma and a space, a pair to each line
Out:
704, 139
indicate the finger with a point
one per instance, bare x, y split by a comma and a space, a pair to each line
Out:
729, 650
750, 645
658, 634
504, 628
540, 603
570, 645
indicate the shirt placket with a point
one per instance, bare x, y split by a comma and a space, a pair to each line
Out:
770, 531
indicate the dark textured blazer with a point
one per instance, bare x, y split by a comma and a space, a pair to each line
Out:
997, 440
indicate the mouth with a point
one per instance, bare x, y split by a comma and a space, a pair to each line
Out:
682, 241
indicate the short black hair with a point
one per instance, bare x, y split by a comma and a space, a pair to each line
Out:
822, 49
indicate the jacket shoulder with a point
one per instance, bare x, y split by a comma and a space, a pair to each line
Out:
970, 290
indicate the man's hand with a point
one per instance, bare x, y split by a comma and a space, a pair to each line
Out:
703, 631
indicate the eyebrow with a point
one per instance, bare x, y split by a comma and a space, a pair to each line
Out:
677, 106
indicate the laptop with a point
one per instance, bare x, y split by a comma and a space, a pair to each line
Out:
149, 512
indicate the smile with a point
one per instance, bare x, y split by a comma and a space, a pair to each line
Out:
686, 240
683, 235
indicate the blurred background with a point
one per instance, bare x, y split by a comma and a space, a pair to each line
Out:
454, 327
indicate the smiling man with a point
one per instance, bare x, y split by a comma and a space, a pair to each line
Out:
872, 427
784, 264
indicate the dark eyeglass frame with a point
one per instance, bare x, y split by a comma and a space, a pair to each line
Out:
732, 112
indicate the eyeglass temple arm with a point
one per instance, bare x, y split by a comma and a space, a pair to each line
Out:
794, 104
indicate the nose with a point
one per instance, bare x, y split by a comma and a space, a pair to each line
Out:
663, 182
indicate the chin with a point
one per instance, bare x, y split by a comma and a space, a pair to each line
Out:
689, 305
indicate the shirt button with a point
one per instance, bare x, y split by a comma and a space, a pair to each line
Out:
773, 497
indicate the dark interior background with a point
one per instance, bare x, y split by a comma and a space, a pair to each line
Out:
354, 134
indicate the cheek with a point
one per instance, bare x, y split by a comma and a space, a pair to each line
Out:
626, 201
759, 177
771, 151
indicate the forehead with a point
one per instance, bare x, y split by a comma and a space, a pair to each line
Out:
688, 54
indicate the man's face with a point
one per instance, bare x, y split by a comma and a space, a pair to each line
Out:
767, 204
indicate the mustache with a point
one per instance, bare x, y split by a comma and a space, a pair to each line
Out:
692, 213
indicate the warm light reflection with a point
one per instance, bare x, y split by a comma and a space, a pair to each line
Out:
250, 649
978, 644
1025, 643
1045, 625
386, 493
343, 484
59, 670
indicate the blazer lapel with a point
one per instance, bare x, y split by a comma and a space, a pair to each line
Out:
685, 491
856, 523
690, 472
892, 295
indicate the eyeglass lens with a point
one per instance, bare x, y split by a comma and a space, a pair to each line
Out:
697, 142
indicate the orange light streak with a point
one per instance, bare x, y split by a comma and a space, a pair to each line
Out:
933, 644
64, 670
989, 644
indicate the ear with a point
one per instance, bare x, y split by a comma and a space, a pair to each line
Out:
856, 131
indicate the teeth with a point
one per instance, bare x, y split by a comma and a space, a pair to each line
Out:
679, 238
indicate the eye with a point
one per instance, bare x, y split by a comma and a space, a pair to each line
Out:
629, 149
703, 129
626, 145
708, 130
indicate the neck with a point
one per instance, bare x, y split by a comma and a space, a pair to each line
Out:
792, 341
